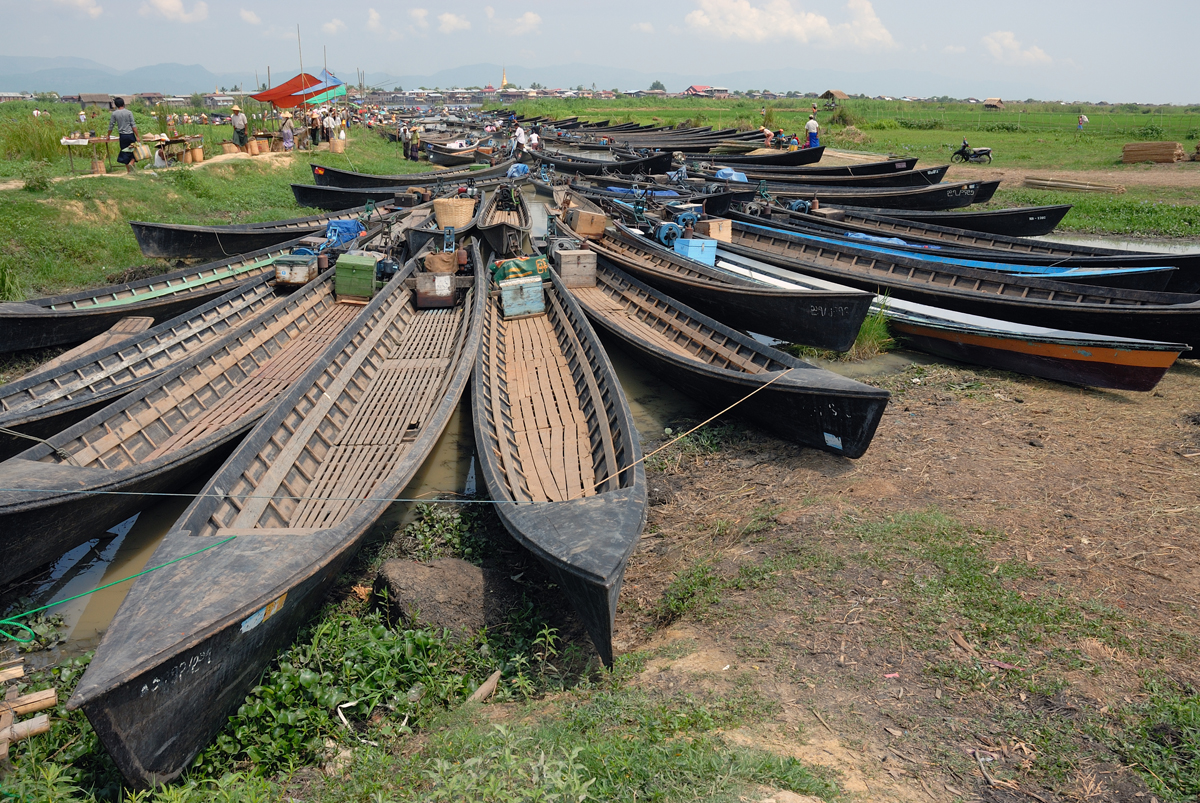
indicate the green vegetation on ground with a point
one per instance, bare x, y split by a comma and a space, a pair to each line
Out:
75, 233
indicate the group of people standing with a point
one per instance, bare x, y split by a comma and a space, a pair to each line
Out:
410, 141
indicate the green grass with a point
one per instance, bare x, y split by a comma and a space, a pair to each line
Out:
1139, 212
873, 338
75, 234
1162, 742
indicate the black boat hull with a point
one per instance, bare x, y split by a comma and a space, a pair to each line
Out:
1030, 222
937, 197
324, 176
162, 241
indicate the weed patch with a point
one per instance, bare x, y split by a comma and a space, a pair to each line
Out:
1162, 742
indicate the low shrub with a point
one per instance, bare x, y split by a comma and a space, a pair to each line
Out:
886, 124
920, 125
36, 175
1151, 132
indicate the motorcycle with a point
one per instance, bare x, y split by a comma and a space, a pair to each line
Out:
968, 154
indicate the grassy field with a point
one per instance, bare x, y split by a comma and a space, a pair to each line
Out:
75, 232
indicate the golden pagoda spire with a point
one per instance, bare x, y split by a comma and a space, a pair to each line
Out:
503, 77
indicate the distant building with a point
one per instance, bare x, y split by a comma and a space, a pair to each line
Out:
834, 94
719, 92
176, 101
698, 91
150, 98
7, 96
218, 101
993, 103
95, 99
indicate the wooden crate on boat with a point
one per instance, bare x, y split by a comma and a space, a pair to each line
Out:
521, 298
700, 250
577, 268
715, 229
586, 224
435, 290
355, 277
296, 269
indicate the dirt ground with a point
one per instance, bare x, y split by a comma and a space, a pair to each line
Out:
1089, 500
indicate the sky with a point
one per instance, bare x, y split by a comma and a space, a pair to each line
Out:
1047, 49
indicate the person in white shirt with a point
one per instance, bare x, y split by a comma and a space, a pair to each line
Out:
811, 127
330, 127
519, 140
534, 142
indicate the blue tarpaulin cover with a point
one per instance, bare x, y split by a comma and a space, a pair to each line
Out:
516, 171
343, 231
651, 193
729, 174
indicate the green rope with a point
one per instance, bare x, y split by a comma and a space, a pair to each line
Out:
12, 620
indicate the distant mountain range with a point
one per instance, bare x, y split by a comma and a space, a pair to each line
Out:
69, 76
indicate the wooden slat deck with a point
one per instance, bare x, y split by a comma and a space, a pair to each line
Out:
633, 311
391, 411
264, 385
550, 428
217, 390
143, 357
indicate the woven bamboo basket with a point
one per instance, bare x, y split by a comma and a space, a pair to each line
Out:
456, 212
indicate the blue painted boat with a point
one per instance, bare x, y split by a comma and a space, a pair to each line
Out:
1152, 278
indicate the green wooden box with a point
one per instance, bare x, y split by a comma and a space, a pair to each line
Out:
355, 276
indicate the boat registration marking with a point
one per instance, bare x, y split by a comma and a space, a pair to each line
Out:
176, 673
828, 311
264, 613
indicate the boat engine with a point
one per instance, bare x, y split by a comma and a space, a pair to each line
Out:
668, 233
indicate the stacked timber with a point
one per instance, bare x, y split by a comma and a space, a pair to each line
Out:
1069, 185
1164, 152
15, 704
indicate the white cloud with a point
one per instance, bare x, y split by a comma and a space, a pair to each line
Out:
174, 10
334, 26
777, 19
450, 23
420, 17
249, 17
374, 21
1005, 48
642, 27
88, 7
954, 49
526, 23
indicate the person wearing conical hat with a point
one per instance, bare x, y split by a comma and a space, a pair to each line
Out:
238, 120
287, 131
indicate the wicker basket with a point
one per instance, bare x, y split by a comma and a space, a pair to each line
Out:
453, 212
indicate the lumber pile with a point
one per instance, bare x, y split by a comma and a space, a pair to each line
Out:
1067, 185
1164, 152
15, 704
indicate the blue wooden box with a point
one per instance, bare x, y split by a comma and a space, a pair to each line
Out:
700, 250
521, 297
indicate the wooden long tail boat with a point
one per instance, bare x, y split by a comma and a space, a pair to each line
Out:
947, 195
288, 510
559, 452
79, 316
447, 156
155, 437
1141, 315
178, 241
1077, 358
1073, 357
46, 402
796, 158
869, 169
1029, 221
1019, 250
1151, 277
711, 362
716, 199
657, 163
505, 221
325, 176
813, 315
925, 177
336, 199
